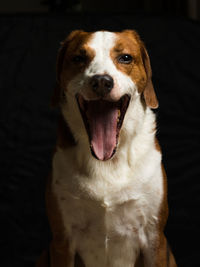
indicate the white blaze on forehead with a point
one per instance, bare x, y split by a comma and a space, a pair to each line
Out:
102, 43
103, 39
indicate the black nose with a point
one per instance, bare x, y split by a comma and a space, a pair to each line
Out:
102, 84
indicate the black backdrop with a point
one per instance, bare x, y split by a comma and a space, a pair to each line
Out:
28, 48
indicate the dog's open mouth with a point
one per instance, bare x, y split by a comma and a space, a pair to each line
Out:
103, 121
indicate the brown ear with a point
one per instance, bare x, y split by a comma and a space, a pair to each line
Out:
56, 97
57, 94
148, 93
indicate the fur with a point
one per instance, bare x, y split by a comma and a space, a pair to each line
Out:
113, 212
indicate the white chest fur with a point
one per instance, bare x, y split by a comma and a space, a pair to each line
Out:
109, 214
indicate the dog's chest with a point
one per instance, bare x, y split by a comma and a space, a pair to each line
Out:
106, 236
107, 225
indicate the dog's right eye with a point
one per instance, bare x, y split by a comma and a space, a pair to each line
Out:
125, 59
79, 59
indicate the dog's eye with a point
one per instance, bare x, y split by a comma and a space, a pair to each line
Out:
125, 59
79, 59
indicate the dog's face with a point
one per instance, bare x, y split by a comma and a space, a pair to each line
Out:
98, 74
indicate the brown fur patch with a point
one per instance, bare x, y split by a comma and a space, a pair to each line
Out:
67, 67
129, 42
164, 255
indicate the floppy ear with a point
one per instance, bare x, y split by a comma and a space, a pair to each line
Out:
56, 97
148, 93
57, 94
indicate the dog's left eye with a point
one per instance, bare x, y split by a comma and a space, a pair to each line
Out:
79, 59
125, 59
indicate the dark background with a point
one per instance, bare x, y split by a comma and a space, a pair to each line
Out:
30, 33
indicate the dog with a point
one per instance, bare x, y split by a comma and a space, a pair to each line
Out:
107, 192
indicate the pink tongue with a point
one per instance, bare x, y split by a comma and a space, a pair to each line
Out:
102, 116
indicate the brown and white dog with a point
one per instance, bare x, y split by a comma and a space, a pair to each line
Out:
107, 195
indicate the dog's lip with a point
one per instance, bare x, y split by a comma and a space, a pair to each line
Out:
120, 106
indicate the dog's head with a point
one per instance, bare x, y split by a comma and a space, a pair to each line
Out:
98, 75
